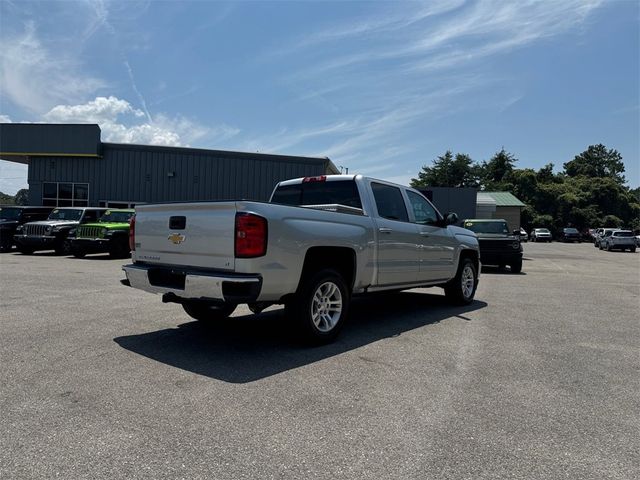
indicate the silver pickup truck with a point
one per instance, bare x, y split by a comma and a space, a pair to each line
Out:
317, 242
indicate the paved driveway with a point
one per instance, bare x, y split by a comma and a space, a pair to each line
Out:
538, 378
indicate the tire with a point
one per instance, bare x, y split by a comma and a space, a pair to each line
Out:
78, 252
120, 249
320, 306
608, 247
516, 267
205, 312
63, 247
462, 288
25, 250
632, 249
599, 246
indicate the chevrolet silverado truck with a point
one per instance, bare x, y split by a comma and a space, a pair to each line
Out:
315, 244
110, 234
53, 233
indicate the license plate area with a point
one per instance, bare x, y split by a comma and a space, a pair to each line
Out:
160, 277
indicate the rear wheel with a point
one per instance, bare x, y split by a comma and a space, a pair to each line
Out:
319, 308
206, 312
462, 288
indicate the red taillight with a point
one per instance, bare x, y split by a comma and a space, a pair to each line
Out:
132, 233
321, 178
251, 235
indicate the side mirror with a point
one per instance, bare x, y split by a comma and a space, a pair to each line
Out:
451, 218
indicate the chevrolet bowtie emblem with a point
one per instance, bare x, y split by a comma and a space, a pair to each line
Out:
176, 238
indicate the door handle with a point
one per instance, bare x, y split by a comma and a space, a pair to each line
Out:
385, 230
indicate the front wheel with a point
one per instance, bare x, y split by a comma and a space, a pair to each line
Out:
78, 252
120, 249
516, 267
632, 249
462, 288
206, 312
25, 250
319, 308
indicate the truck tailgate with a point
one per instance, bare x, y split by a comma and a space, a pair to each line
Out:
202, 234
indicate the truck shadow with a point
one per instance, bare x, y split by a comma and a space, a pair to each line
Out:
251, 347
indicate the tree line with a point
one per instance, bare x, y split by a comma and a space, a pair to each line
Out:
20, 198
589, 192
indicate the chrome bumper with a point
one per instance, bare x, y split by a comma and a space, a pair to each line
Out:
194, 285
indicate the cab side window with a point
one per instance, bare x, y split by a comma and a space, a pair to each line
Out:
389, 202
423, 211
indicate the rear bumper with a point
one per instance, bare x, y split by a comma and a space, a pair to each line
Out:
188, 284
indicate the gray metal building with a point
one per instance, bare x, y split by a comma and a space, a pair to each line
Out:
69, 165
460, 200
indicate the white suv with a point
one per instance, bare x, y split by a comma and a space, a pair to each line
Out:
619, 240
540, 235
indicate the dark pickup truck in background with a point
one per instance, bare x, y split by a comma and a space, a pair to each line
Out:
498, 245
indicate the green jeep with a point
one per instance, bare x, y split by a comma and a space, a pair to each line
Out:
110, 234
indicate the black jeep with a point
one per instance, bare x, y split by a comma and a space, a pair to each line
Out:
11, 216
498, 245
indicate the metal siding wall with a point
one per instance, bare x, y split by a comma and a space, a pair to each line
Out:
510, 214
121, 175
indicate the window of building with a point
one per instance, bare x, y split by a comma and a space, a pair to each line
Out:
65, 194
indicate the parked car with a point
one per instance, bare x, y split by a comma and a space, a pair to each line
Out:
12, 216
524, 236
498, 246
620, 240
318, 241
541, 235
602, 234
109, 234
52, 233
570, 234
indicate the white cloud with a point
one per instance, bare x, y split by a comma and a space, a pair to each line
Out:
120, 123
4, 119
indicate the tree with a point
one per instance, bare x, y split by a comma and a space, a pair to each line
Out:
22, 197
6, 199
448, 171
497, 171
597, 161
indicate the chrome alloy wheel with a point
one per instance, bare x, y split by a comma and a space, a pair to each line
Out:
326, 306
467, 280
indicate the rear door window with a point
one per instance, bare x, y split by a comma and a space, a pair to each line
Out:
389, 202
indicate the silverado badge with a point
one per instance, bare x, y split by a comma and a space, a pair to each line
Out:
176, 238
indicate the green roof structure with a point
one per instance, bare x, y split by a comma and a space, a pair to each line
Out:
503, 199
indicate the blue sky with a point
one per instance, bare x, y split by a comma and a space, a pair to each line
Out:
379, 87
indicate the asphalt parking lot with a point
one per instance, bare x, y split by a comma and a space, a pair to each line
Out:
538, 378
